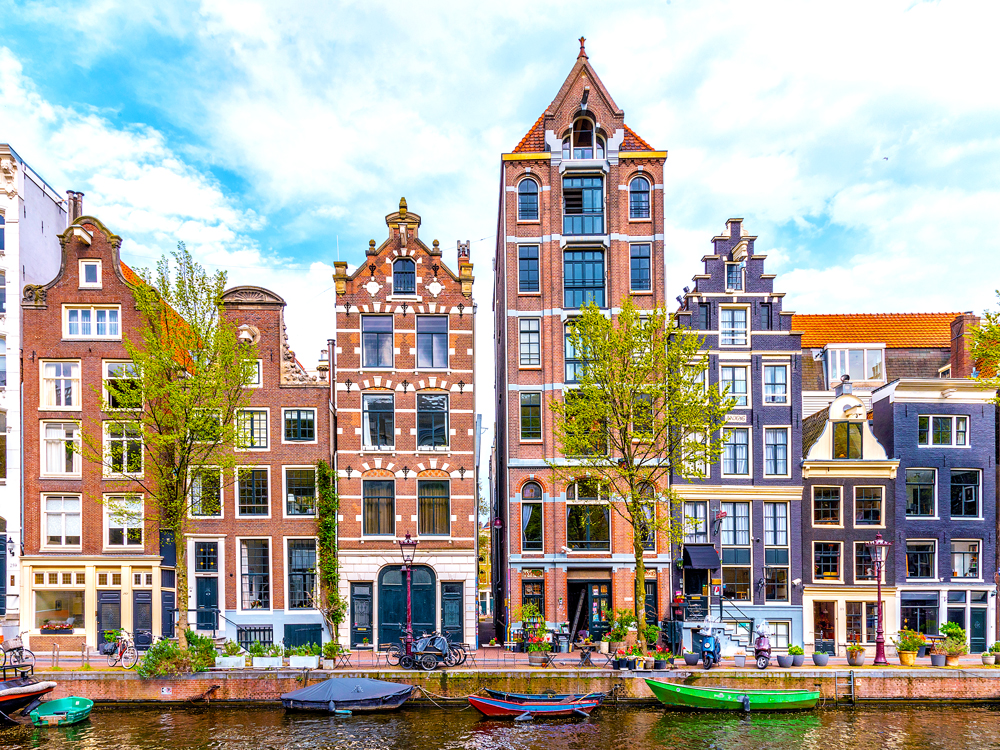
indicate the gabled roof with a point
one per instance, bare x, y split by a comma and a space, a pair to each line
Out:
812, 428
895, 330
534, 140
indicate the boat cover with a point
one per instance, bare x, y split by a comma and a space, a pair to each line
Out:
338, 691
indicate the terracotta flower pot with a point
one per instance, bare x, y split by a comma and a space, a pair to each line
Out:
951, 660
907, 658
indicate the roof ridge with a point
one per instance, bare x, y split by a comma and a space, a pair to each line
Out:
871, 315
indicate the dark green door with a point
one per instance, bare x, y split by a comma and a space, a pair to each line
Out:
109, 614
361, 613
599, 603
977, 630
652, 610
451, 612
206, 600
392, 602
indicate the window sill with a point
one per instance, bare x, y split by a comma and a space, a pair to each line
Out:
109, 550
529, 368
647, 220
378, 448
923, 518
252, 516
60, 409
529, 221
533, 441
299, 442
641, 292
74, 550
924, 580
61, 476
300, 516
528, 294
433, 451
404, 298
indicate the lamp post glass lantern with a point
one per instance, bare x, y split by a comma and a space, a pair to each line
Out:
878, 549
408, 547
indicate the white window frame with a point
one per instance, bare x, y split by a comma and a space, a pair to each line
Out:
315, 412
812, 561
222, 494
787, 636
745, 329
83, 263
954, 425
93, 309
517, 258
236, 493
258, 376
367, 447
447, 481
104, 380
934, 564
833, 374
854, 507
287, 569
936, 516
109, 512
267, 427
106, 449
520, 343
743, 276
691, 528
785, 399
43, 522
979, 561
76, 385
284, 491
750, 456
748, 546
746, 382
239, 573
812, 508
517, 202
77, 456
788, 449
446, 448
979, 494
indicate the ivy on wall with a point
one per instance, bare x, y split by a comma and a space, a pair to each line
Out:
331, 604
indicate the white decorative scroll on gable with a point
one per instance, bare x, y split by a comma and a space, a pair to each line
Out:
435, 288
8, 176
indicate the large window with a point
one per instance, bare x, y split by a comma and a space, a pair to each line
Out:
432, 421
255, 573
826, 561
588, 525
775, 384
847, 440
583, 205
736, 452
695, 522
964, 493
826, 506
734, 382
920, 559
775, 525
404, 277
300, 425
530, 342
379, 499
206, 491
301, 573
60, 385
776, 451
533, 592
433, 507
867, 506
919, 611
59, 606
531, 416
61, 520
377, 411
638, 198
252, 492
735, 539
123, 448
574, 362
860, 364
776, 554
300, 492
920, 492
531, 517
943, 431
733, 326
734, 276
252, 426
864, 567
861, 619
640, 268
527, 268
61, 448
583, 142
432, 341
527, 200
376, 341
965, 559
122, 386
91, 322
583, 273
124, 519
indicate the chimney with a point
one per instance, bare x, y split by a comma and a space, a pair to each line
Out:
74, 206
464, 252
961, 343
844, 386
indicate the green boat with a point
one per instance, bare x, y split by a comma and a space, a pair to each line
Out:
61, 712
677, 695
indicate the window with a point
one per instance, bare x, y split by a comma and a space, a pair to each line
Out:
864, 567
861, 621
734, 382
704, 316
638, 198
695, 522
255, 373
253, 492
122, 386
736, 452
255, 572
433, 507
782, 633
206, 557
847, 440
647, 524
583, 143
62, 520
867, 506
206, 491
58, 606
300, 425
583, 205
124, 517
531, 518
60, 385
252, 426
920, 492
860, 364
640, 267
90, 274
123, 448
920, 559
964, 559
588, 528
205, 426
527, 200
527, 269
379, 499
826, 560
776, 451
642, 415
583, 272
919, 611
964, 493
530, 343
736, 525
733, 326
91, 322
62, 448
943, 431
377, 412
3, 362
734, 276
301, 573
531, 416
766, 319
432, 341
404, 277
300, 492
533, 592
736, 583
776, 578
735, 539
775, 525
574, 363
775, 384
826, 506
432, 421
376, 341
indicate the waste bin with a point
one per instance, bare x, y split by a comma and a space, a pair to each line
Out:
562, 640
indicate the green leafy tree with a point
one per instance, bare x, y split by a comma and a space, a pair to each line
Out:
985, 350
172, 412
331, 605
640, 412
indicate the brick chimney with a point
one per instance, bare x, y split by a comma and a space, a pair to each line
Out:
74, 206
961, 344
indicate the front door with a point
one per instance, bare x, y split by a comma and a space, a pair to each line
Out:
652, 610
167, 614
142, 618
361, 613
451, 612
206, 601
392, 602
825, 627
977, 630
600, 605
109, 614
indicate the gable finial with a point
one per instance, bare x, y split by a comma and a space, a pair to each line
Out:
402, 207
583, 50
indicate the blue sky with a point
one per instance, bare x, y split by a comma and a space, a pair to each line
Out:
858, 140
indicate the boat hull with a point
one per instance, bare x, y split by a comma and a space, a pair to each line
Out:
23, 691
389, 703
502, 709
547, 698
348, 694
677, 695
62, 712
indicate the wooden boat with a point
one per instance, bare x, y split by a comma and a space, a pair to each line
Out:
678, 695
550, 697
340, 695
21, 692
61, 712
523, 710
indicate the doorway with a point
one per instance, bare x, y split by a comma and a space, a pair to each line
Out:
589, 603
142, 619
977, 630
361, 613
109, 614
825, 627
392, 602
652, 608
451, 611
206, 600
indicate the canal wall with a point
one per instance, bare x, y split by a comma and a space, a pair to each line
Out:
892, 685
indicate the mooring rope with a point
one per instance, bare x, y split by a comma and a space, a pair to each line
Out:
428, 694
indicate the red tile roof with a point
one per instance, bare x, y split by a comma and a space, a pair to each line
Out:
633, 142
534, 140
895, 330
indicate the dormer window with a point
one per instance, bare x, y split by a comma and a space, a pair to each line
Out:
847, 440
404, 277
860, 363
734, 276
583, 142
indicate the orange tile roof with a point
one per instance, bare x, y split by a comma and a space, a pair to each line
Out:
633, 142
534, 140
895, 330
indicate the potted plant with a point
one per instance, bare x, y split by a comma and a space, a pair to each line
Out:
820, 659
691, 659
740, 659
304, 657
537, 647
637, 659
662, 658
785, 660
855, 655
994, 652
907, 646
266, 657
798, 655
331, 650
232, 657
938, 655
954, 643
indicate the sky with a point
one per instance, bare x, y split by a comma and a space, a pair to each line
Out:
858, 140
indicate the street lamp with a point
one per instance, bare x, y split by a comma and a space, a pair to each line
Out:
878, 548
408, 548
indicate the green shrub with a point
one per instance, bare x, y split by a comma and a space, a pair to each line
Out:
257, 649
953, 630
166, 658
795, 651
995, 648
232, 649
331, 649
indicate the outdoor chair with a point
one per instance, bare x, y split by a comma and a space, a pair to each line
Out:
470, 655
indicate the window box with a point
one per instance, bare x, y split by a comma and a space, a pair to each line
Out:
303, 662
230, 662
267, 662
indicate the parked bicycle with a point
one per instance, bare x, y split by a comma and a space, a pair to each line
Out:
124, 651
15, 654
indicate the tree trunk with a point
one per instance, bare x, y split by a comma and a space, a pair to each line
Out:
181, 581
640, 590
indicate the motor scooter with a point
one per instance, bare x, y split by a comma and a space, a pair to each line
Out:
762, 646
711, 649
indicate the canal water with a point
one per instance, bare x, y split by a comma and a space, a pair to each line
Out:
221, 728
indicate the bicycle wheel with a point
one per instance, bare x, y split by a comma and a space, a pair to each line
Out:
462, 654
27, 658
428, 662
393, 654
407, 662
113, 658
130, 657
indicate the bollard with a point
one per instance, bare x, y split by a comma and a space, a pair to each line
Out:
55, 656
86, 655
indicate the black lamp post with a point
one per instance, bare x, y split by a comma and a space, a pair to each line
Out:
878, 550
408, 548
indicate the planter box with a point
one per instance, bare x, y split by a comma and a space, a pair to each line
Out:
937, 660
740, 661
785, 661
303, 662
231, 662
267, 662
329, 663
691, 659
820, 660
798, 660
660, 664
56, 631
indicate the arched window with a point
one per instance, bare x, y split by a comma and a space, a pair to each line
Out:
404, 277
531, 492
531, 517
647, 525
638, 198
527, 200
583, 142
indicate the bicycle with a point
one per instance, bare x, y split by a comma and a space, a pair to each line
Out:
15, 654
123, 652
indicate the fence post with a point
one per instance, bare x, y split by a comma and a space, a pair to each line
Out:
55, 655
86, 654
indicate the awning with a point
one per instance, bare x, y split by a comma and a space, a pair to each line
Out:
702, 556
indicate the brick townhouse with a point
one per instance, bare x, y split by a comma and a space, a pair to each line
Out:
403, 374
580, 221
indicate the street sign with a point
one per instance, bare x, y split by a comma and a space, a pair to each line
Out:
716, 590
